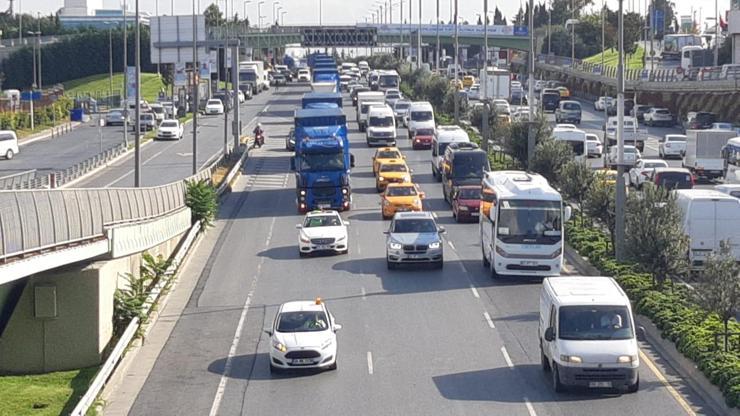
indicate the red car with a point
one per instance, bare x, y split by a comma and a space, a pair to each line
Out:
423, 139
466, 203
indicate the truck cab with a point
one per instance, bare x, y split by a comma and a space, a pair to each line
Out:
319, 100
322, 160
632, 136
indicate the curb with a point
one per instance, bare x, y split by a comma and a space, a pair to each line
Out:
47, 133
685, 368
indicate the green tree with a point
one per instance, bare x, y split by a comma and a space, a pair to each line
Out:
498, 17
513, 138
654, 236
549, 158
575, 181
202, 200
213, 15
718, 286
600, 205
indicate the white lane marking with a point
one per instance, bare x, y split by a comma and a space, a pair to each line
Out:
129, 173
475, 292
667, 384
370, 363
489, 320
530, 408
237, 335
450, 244
364, 294
506, 357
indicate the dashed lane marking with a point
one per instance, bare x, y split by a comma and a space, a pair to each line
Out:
475, 292
507, 358
370, 363
489, 320
530, 408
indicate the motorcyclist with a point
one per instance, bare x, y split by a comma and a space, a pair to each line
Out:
259, 135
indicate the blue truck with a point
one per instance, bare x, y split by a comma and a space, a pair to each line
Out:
322, 160
317, 100
325, 80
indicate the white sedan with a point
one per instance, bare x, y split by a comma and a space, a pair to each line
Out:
603, 102
594, 146
170, 129
303, 335
642, 170
214, 106
323, 231
672, 145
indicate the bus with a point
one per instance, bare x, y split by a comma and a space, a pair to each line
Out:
521, 224
731, 157
673, 44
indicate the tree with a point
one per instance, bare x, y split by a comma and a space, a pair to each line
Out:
549, 158
575, 181
213, 15
654, 236
514, 138
718, 286
600, 204
498, 17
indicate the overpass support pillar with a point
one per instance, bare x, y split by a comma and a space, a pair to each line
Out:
64, 318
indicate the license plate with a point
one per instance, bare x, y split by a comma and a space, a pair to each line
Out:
414, 256
323, 206
600, 384
323, 247
528, 263
302, 361
475, 214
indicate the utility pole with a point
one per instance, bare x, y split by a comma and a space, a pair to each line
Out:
549, 28
620, 196
236, 127
125, 75
418, 41
530, 89
484, 75
195, 91
457, 54
716, 34
436, 63
137, 126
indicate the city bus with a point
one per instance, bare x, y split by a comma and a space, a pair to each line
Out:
731, 156
673, 44
521, 224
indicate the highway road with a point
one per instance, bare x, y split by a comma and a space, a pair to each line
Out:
413, 342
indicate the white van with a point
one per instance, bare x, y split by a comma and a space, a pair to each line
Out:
443, 136
575, 138
587, 334
364, 99
420, 116
709, 217
8, 144
381, 126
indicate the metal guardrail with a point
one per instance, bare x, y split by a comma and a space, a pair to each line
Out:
16, 179
33, 221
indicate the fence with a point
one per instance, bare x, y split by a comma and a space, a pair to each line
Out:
32, 221
17, 179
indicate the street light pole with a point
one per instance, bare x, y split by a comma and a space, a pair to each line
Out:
549, 28
436, 64
484, 75
530, 89
246, 16
457, 54
35, 79
195, 91
282, 17
418, 40
110, 64
137, 125
125, 75
620, 196
38, 38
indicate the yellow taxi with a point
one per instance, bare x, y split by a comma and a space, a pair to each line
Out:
392, 171
468, 81
385, 154
564, 92
609, 176
457, 84
400, 197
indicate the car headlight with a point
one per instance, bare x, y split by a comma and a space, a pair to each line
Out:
394, 245
571, 359
327, 344
380, 178
417, 202
627, 359
407, 178
279, 346
303, 192
434, 244
555, 254
305, 239
342, 238
462, 208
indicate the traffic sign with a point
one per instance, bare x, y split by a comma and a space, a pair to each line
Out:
28, 95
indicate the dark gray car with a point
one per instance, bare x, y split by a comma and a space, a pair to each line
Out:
413, 238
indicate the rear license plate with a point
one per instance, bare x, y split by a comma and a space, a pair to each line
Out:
323, 206
600, 384
302, 361
475, 214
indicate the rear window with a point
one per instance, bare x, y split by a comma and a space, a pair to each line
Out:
662, 112
425, 132
571, 106
393, 168
706, 118
674, 180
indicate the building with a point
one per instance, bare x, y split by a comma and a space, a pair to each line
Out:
733, 29
92, 13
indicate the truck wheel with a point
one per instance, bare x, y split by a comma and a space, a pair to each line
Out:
632, 388
545, 362
486, 263
556, 384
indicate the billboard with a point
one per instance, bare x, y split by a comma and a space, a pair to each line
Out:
171, 39
181, 76
131, 81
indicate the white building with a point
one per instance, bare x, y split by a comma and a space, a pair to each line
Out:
733, 29
81, 7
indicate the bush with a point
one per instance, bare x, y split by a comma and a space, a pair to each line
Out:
202, 200
671, 308
549, 158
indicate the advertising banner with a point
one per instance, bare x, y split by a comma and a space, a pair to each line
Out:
131, 81
181, 77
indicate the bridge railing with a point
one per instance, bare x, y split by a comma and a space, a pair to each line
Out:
34, 221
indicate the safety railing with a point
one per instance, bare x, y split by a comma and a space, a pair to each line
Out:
17, 179
33, 221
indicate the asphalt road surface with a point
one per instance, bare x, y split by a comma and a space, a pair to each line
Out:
414, 341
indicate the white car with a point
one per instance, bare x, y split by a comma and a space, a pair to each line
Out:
304, 75
593, 145
474, 92
501, 106
643, 169
602, 103
8, 144
170, 129
631, 156
322, 231
658, 116
214, 106
242, 98
673, 145
303, 335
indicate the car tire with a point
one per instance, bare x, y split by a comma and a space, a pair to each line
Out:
486, 263
633, 388
492, 271
556, 384
9, 154
545, 362
302, 254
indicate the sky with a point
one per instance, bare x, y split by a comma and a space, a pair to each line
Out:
301, 12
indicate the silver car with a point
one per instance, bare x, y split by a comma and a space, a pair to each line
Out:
413, 238
114, 117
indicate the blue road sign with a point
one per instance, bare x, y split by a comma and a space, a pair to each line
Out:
27, 95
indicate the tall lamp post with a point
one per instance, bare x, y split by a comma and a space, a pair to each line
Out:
572, 23
110, 61
137, 125
125, 75
36, 68
274, 16
457, 54
436, 64
246, 16
282, 17
620, 196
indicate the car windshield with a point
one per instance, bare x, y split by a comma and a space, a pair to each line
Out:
401, 191
381, 121
592, 323
247, 76
414, 226
502, 108
392, 94
388, 81
529, 222
115, 114
425, 132
653, 165
469, 193
158, 110
388, 154
168, 124
676, 139
393, 168
469, 166
664, 112
630, 150
322, 221
422, 116
571, 106
322, 161
302, 321
402, 106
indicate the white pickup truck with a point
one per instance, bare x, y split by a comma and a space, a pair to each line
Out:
632, 135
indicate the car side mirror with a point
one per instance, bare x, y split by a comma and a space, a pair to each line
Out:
337, 327
641, 336
549, 334
298, 226
567, 212
268, 331
386, 232
422, 195
441, 230
292, 163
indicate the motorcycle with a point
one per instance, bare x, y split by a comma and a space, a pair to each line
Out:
259, 140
